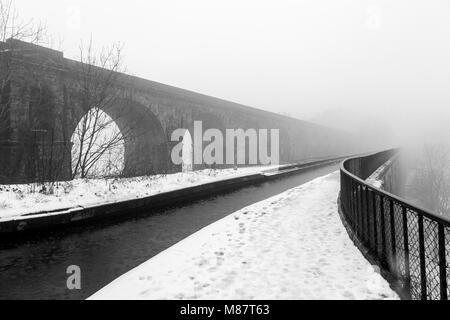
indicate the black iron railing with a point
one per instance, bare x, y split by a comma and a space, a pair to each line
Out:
409, 243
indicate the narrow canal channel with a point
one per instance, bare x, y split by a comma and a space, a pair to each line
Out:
35, 268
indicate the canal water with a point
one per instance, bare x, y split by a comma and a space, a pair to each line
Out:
35, 267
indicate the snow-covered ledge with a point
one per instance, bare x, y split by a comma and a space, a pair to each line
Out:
386, 176
135, 196
24, 200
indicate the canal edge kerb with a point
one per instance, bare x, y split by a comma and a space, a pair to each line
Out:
132, 207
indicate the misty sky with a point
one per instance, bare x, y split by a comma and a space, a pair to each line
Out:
348, 62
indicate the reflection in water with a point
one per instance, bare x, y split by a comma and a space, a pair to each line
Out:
36, 268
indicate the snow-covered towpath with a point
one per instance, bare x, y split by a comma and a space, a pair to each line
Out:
290, 246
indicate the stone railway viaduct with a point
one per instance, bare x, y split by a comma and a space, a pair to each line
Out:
42, 102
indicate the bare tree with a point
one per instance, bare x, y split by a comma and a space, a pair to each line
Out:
97, 137
97, 146
13, 28
430, 185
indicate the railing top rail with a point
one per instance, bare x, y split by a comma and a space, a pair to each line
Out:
426, 213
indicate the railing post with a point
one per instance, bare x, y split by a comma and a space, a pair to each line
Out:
423, 274
393, 246
406, 247
442, 262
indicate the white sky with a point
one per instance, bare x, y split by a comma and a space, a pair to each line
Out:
303, 57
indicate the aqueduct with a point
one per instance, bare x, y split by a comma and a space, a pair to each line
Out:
41, 104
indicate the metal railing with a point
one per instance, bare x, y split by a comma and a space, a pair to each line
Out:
409, 243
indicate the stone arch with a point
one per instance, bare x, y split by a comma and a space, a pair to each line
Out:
145, 143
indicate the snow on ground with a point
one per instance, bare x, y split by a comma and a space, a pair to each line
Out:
16, 200
290, 246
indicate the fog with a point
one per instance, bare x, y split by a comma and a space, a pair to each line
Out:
378, 68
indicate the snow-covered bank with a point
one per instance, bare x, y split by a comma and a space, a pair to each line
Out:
290, 246
16, 200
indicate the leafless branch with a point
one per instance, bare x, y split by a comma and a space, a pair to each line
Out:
96, 136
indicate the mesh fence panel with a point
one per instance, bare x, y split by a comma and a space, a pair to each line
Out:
410, 243
387, 234
414, 264
380, 231
447, 251
399, 240
431, 258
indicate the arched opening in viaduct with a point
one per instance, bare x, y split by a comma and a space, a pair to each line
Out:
98, 148
129, 138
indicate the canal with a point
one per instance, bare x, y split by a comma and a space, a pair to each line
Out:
35, 267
